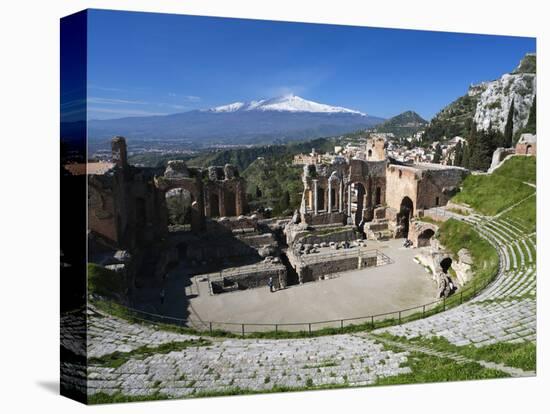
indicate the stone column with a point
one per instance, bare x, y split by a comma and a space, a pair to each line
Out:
341, 197
329, 206
349, 199
315, 211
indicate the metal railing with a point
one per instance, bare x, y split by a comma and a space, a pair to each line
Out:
368, 322
350, 252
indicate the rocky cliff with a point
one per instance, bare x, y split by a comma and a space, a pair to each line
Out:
496, 97
487, 104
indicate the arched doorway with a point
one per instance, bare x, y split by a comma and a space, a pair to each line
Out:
424, 237
446, 264
406, 211
528, 150
178, 202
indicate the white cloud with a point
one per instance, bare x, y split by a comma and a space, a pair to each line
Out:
192, 98
125, 112
111, 101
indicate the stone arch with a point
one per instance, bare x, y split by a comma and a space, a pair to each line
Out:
178, 203
445, 264
195, 188
424, 237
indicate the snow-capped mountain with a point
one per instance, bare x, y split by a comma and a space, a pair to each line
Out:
287, 103
281, 119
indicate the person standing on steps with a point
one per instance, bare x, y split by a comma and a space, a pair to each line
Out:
270, 283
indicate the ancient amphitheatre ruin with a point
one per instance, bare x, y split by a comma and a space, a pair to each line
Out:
347, 236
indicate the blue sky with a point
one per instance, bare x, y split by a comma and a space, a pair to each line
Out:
152, 64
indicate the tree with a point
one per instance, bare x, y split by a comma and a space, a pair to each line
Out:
457, 161
531, 126
465, 156
437, 154
509, 128
285, 202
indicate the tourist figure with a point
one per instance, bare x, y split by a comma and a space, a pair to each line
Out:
270, 283
162, 294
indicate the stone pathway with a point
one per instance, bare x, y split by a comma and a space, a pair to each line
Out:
504, 312
249, 364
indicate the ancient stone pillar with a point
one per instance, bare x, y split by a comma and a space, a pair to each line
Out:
196, 217
329, 206
349, 199
315, 210
341, 197
222, 202
238, 200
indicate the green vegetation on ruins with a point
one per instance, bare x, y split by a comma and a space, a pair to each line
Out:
490, 194
104, 282
456, 235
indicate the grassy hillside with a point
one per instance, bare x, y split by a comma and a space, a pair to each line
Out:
403, 125
455, 119
490, 194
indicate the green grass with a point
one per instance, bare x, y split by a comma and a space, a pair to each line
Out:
525, 213
519, 168
491, 194
116, 359
520, 355
428, 368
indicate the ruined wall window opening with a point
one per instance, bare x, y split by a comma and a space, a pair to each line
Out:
437, 201
320, 198
178, 203
425, 237
370, 153
230, 202
378, 197
214, 205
